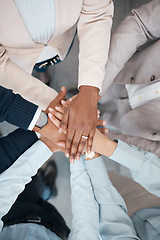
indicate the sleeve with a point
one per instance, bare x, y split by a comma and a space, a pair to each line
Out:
142, 143
144, 166
13, 145
15, 109
93, 29
85, 220
114, 220
134, 31
13, 180
14, 77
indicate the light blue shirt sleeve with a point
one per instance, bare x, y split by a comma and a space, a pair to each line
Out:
85, 221
144, 166
13, 180
114, 222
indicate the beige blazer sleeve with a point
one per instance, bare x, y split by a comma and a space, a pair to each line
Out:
133, 32
93, 28
14, 77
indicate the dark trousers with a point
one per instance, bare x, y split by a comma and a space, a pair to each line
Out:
29, 205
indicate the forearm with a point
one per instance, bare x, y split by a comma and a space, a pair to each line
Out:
114, 220
85, 222
14, 77
13, 145
94, 27
13, 180
103, 145
134, 31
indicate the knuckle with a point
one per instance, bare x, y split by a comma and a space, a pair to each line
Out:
73, 155
69, 140
75, 144
63, 124
91, 138
68, 150
83, 143
79, 153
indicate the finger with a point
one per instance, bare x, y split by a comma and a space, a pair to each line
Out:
81, 145
61, 144
58, 115
90, 140
69, 137
74, 146
62, 93
101, 123
54, 120
103, 130
63, 102
60, 109
98, 112
64, 122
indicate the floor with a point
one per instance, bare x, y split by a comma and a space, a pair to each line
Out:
65, 73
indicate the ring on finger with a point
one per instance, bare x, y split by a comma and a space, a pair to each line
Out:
85, 137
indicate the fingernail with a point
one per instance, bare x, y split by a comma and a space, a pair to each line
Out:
60, 130
50, 115
51, 109
78, 157
89, 151
104, 123
106, 130
67, 155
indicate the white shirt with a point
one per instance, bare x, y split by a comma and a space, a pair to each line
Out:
141, 94
39, 19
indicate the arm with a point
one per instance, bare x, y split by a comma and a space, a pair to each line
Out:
133, 32
85, 221
13, 180
113, 217
14, 77
93, 29
13, 145
15, 109
142, 143
144, 166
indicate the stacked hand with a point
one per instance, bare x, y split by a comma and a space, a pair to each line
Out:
53, 133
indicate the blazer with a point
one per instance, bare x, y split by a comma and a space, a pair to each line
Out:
19, 53
131, 61
19, 112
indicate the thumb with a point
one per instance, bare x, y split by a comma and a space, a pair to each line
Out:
62, 93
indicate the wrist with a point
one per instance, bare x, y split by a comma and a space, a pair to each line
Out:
89, 91
103, 145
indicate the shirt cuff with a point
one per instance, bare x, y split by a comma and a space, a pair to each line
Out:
97, 172
35, 118
128, 155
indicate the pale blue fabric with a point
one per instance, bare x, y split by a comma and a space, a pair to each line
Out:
13, 180
144, 166
114, 222
38, 17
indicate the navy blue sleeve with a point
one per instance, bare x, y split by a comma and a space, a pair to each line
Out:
13, 145
15, 109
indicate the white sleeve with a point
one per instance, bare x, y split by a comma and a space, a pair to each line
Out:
85, 222
114, 220
144, 166
35, 118
13, 180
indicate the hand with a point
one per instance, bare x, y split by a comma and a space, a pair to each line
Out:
50, 131
57, 100
81, 118
52, 146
